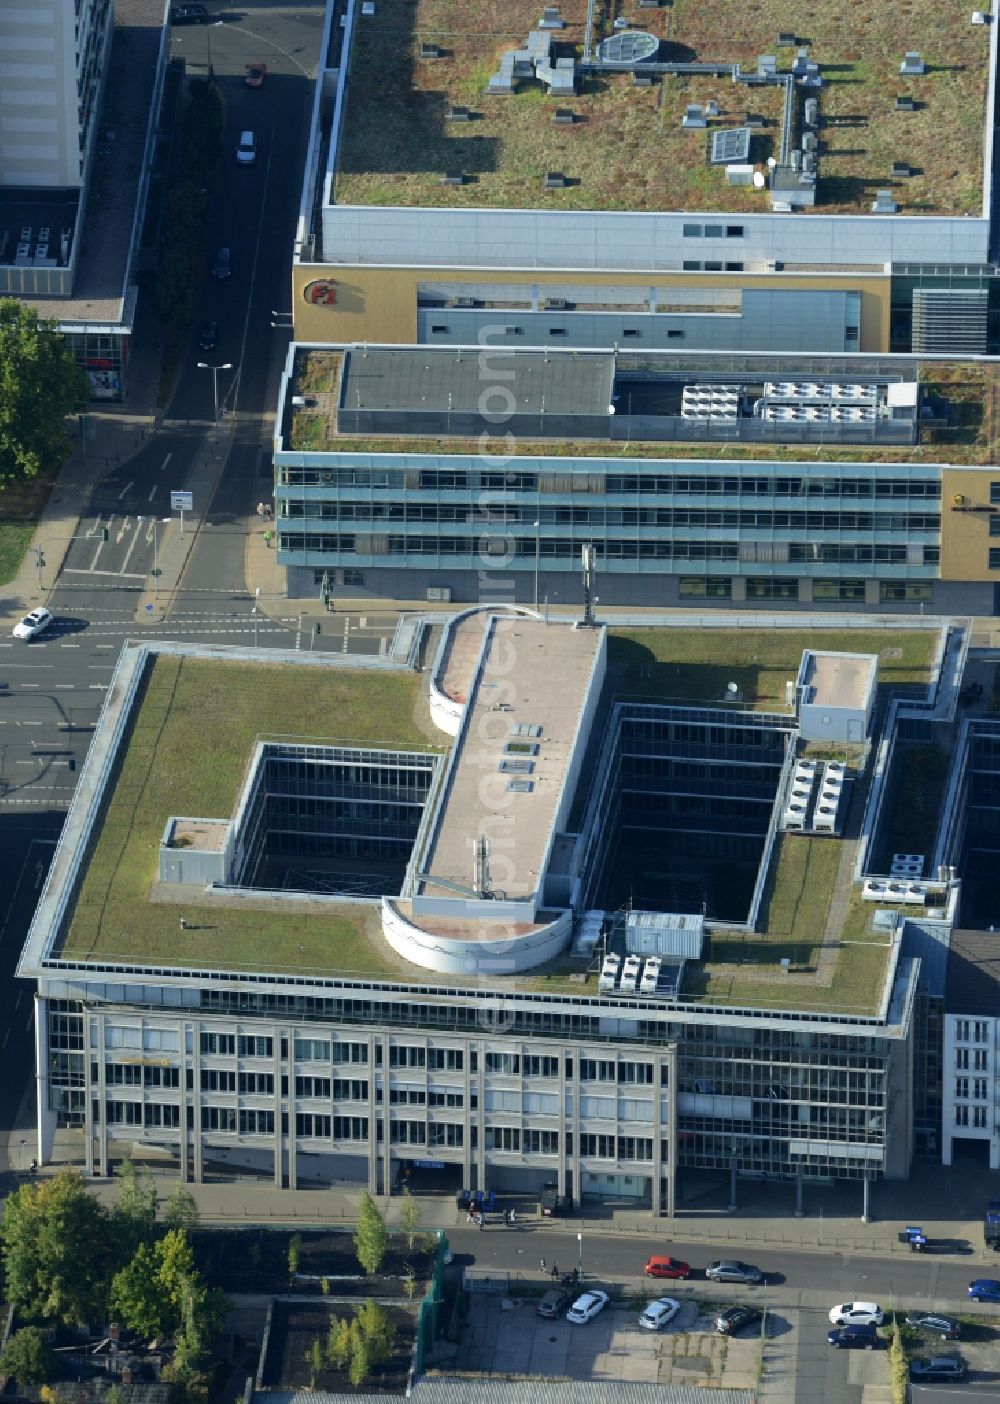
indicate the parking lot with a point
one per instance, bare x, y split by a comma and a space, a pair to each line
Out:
506, 1337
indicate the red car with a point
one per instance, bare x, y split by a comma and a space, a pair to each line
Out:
666, 1267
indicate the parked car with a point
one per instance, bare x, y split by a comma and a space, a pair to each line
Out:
254, 74
731, 1270
856, 1314
944, 1326
32, 624
208, 336
246, 152
660, 1266
188, 14
937, 1367
727, 1323
555, 1302
860, 1335
984, 1289
659, 1313
585, 1308
222, 263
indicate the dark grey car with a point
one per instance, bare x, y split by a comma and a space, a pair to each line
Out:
555, 1302
938, 1367
732, 1270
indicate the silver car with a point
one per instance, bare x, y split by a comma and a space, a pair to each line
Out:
732, 1270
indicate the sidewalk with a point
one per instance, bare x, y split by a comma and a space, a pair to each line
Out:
765, 1218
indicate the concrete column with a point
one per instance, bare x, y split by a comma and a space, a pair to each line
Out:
799, 1190
656, 1133
561, 1177
739, 589
101, 1160
376, 1112
198, 1169
864, 1212
805, 589
277, 1103
873, 593
577, 1131
480, 1157
733, 1206
467, 1117
184, 1155
673, 1140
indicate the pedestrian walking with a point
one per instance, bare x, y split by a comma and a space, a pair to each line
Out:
482, 1222
268, 538
512, 1218
541, 1265
260, 510
554, 1273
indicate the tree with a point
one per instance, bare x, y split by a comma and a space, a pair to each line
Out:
410, 1215
315, 1361
40, 384
137, 1299
294, 1253
377, 1332
133, 1218
56, 1252
29, 1357
161, 1292
181, 1210
338, 1343
358, 1370
370, 1238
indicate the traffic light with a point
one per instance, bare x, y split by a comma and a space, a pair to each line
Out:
319, 628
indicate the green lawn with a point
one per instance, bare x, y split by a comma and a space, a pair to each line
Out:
187, 755
695, 665
14, 538
746, 969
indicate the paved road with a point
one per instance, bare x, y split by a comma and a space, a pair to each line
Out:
52, 689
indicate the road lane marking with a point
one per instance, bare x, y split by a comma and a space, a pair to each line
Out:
118, 574
124, 491
152, 493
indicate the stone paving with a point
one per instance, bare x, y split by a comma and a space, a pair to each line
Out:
505, 1337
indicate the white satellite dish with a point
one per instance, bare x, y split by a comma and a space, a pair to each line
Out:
759, 180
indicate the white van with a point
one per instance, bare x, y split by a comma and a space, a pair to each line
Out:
246, 152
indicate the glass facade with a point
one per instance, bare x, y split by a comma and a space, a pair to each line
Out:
720, 518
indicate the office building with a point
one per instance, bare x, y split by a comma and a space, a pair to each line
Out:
761, 481
80, 92
527, 934
680, 182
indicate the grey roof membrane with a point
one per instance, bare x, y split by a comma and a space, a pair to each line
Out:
492, 381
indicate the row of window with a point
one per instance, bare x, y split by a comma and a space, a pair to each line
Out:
972, 1030
654, 482
792, 552
979, 1089
976, 1058
602, 517
720, 587
978, 1117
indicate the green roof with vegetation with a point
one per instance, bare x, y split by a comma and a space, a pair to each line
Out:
627, 150
121, 913
963, 433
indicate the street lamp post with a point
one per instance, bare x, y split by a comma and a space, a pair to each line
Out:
538, 547
732, 1178
579, 1255
224, 365
217, 24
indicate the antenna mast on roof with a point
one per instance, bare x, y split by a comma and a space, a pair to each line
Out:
482, 878
588, 557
